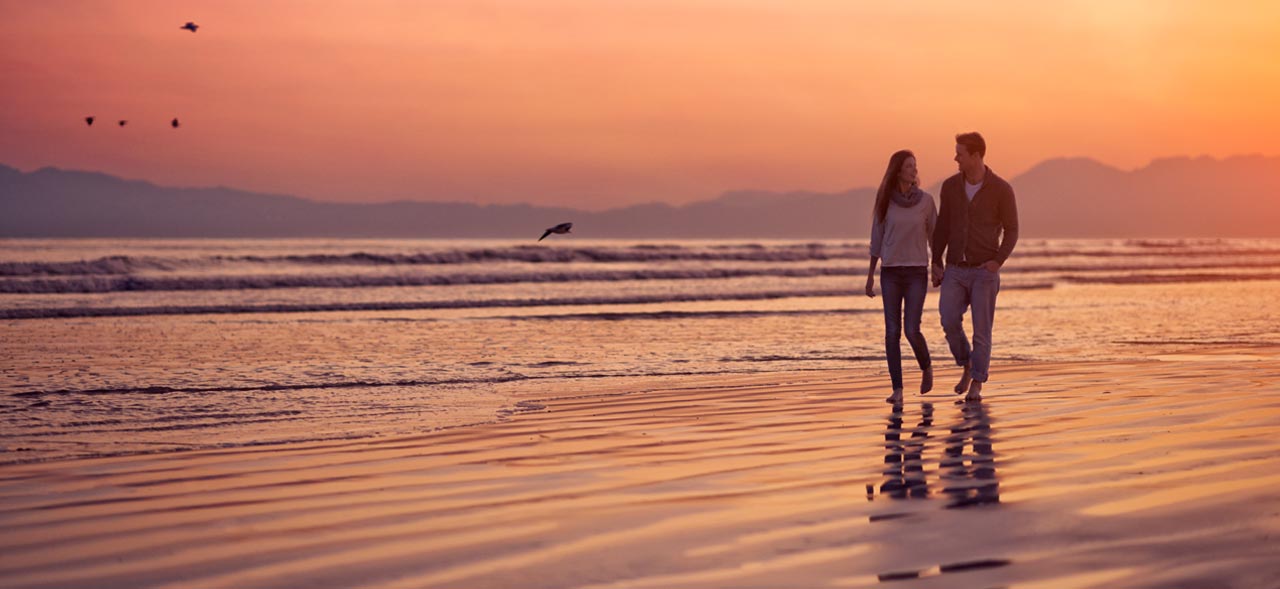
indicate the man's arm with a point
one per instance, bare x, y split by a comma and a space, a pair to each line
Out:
1009, 220
941, 229
941, 234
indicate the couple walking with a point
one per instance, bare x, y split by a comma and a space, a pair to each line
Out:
975, 230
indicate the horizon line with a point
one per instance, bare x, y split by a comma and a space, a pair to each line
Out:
721, 194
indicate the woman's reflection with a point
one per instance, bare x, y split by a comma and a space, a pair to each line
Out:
903, 458
966, 478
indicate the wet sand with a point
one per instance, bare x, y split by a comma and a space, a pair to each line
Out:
1160, 473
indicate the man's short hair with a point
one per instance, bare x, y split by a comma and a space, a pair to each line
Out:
973, 142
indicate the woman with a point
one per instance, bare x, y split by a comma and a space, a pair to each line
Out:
902, 223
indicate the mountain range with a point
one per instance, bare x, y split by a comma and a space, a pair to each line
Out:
1066, 197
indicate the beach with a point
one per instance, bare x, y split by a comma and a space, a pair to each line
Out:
473, 414
1163, 472
612, 295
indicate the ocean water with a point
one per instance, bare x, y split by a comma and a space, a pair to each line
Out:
121, 346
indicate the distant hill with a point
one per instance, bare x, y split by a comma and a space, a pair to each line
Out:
1174, 197
1177, 197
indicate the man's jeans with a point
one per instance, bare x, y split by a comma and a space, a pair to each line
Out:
964, 289
903, 285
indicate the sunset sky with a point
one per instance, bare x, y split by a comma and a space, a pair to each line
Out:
602, 103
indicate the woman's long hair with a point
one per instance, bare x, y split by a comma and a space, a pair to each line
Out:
890, 183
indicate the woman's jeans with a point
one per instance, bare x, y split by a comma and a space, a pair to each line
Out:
899, 285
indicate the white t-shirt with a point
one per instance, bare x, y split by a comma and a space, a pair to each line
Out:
971, 189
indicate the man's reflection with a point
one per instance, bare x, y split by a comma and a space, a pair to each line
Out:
970, 479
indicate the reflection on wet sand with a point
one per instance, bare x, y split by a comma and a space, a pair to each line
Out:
903, 459
966, 472
965, 475
970, 479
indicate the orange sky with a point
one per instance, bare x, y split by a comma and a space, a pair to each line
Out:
600, 103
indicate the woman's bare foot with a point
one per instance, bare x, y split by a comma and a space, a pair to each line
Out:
926, 380
965, 379
895, 398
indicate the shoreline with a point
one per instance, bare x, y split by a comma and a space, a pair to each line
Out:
635, 385
649, 383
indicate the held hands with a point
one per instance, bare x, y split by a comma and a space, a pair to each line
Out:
991, 266
871, 286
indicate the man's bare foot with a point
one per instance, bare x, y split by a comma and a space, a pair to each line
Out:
895, 398
974, 395
965, 379
926, 380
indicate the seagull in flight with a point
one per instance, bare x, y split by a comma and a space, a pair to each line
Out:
174, 122
558, 229
88, 121
190, 26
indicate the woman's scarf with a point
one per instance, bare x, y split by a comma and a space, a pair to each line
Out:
907, 200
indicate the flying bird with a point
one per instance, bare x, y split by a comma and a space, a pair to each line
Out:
122, 122
88, 121
558, 229
174, 122
190, 26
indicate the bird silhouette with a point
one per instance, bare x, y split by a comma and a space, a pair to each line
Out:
190, 26
558, 229
174, 122
123, 122
88, 121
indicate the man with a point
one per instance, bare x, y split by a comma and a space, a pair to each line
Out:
976, 230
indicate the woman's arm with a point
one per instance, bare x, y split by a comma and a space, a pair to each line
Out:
877, 240
871, 277
931, 224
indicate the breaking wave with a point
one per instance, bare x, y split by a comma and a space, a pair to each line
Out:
149, 282
56, 312
747, 252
